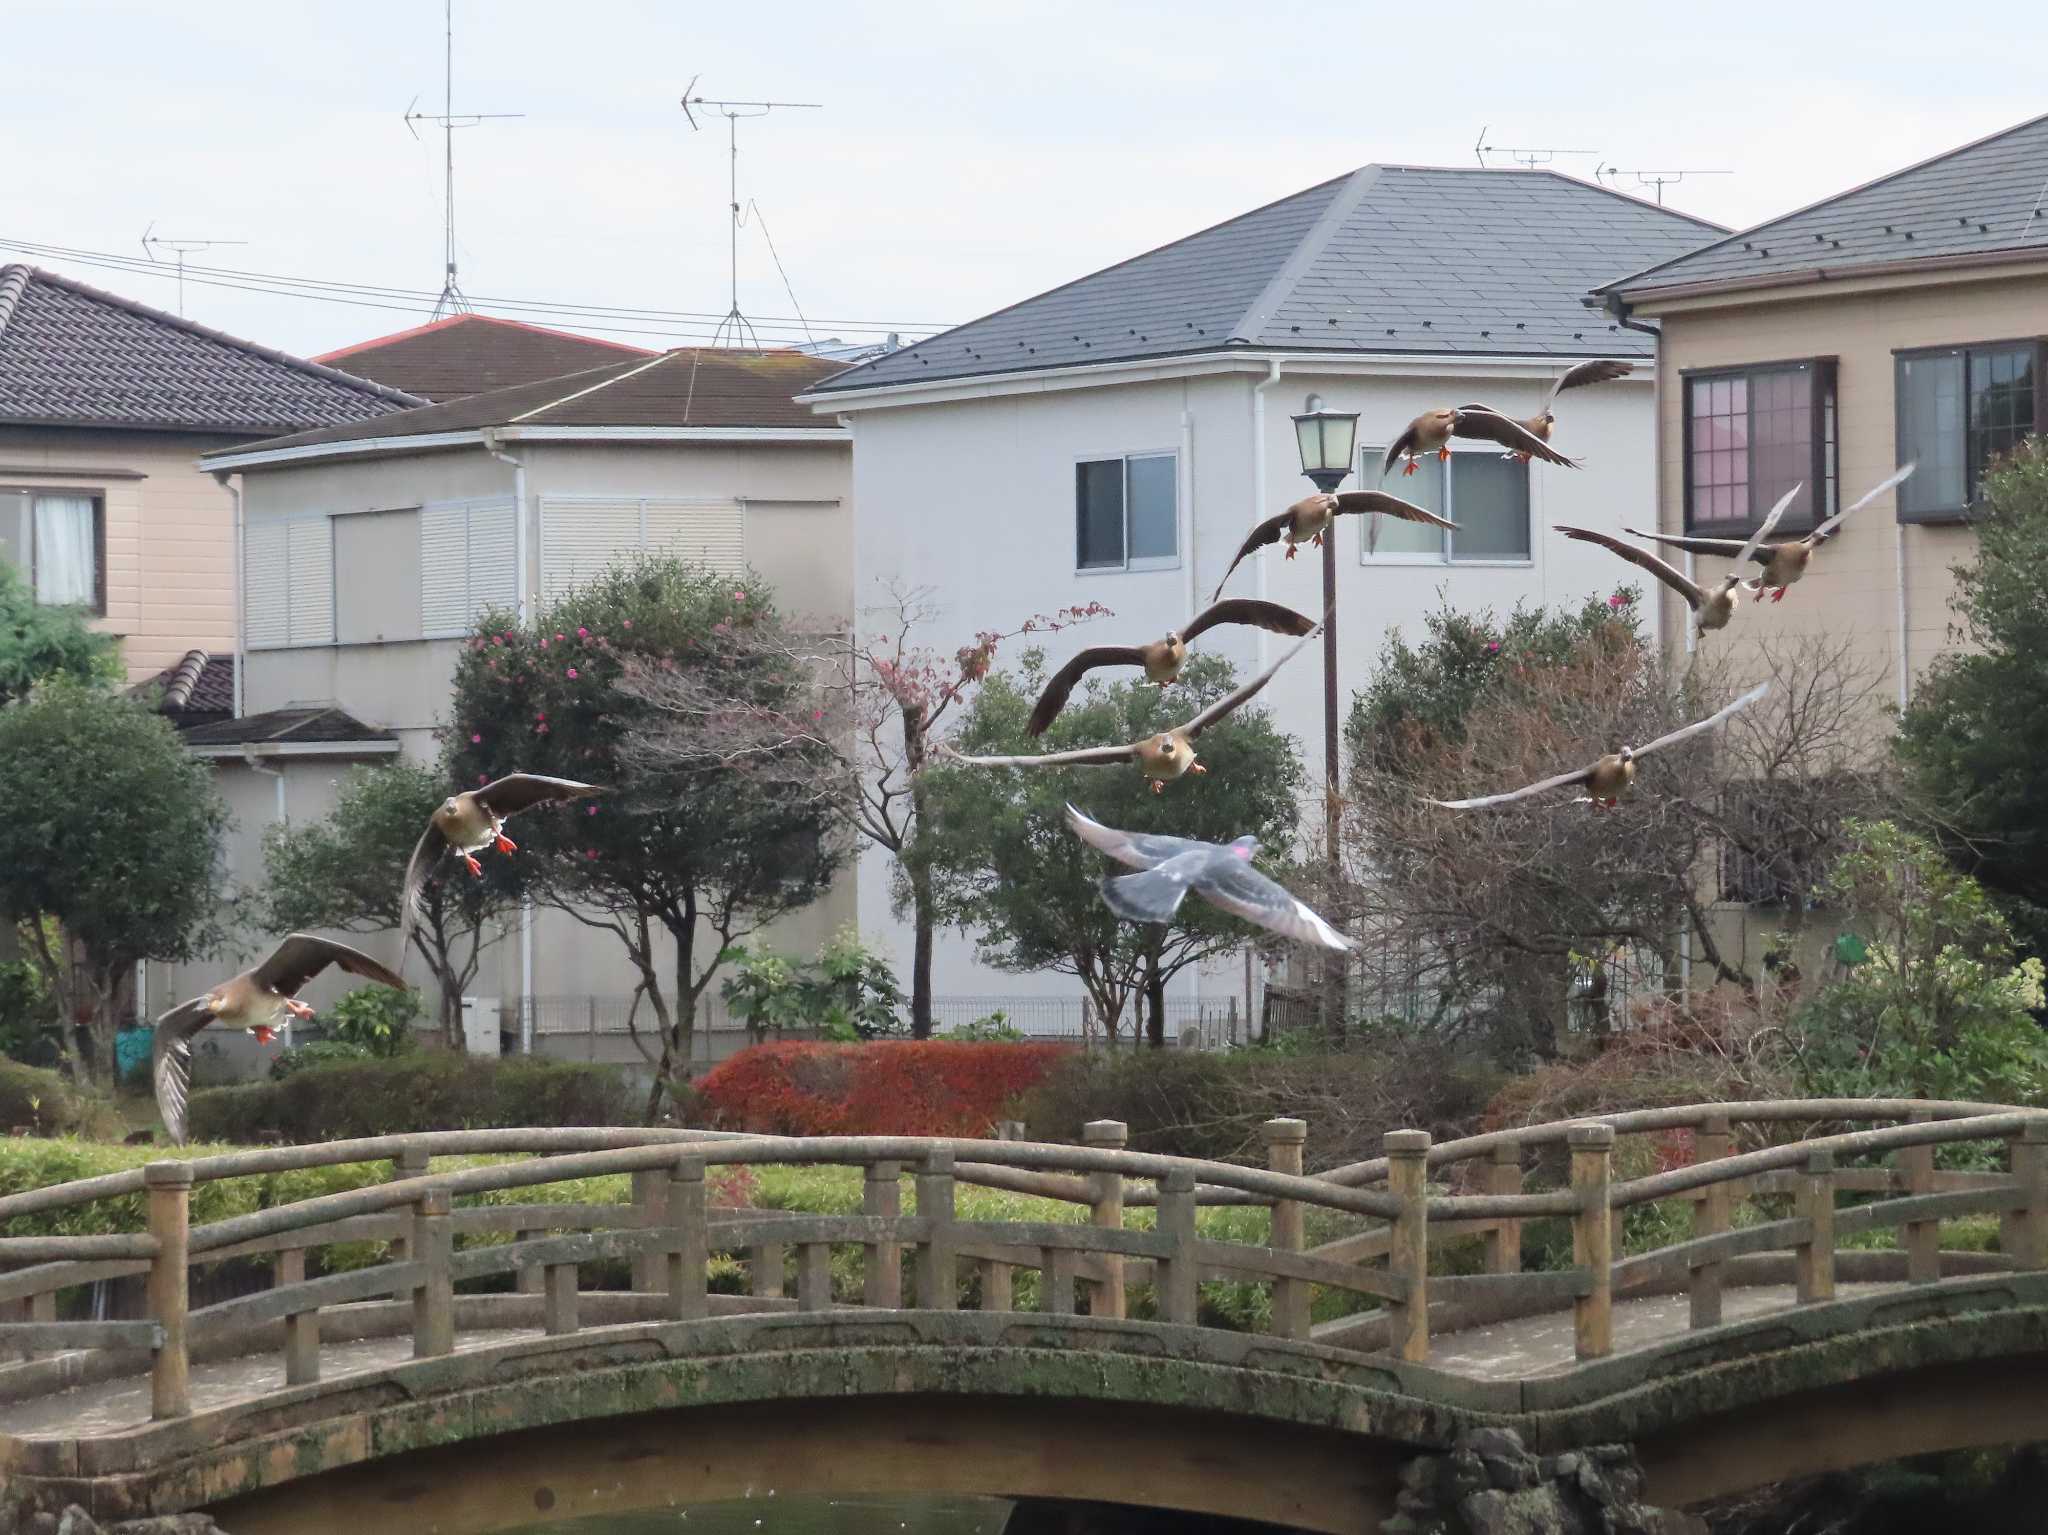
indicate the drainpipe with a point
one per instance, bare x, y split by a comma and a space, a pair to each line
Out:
1273, 365
249, 760
1899, 562
1187, 502
525, 608
225, 480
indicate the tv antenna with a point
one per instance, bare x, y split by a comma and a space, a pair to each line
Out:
1528, 159
152, 242
735, 324
451, 300
1658, 179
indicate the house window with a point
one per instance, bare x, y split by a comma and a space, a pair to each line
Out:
1485, 494
1960, 409
1751, 434
57, 539
1127, 512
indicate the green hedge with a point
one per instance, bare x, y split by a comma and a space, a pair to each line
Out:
344, 1099
44, 1103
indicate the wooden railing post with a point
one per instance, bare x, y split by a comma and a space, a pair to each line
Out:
1813, 1261
938, 1275
688, 1216
558, 1308
1921, 1239
2028, 1227
881, 1279
1592, 1148
813, 1276
526, 1279
409, 1163
1503, 1243
1106, 1210
1284, 1140
650, 1202
995, 1284
433, 1303
170, 1223
1408, 1252
1179, 1275
1711, 1215
1056, 1281
301, 1328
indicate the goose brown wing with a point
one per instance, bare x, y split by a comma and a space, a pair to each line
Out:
1243, 695
1726, 548
1054, 698
1642, 558
302, 956
1267, 532
522, 791
1391, 506
1544, 786
1274, 616
170, 1062
1491, 426
1588, 373
425, 854
1403, 445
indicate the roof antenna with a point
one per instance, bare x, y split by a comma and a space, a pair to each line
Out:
152, 242
735, 325
451, 300
1528, 159
1658, 179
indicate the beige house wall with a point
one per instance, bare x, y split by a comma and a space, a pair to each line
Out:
170, 577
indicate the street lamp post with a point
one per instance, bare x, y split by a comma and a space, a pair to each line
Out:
1328, 440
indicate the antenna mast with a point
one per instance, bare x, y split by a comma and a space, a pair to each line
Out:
735, 324
451, 300
1528, 159
152, 242
1658, 179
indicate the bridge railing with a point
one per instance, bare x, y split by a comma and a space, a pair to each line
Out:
1774, 1205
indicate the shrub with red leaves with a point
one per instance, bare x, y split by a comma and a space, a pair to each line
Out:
887, 1087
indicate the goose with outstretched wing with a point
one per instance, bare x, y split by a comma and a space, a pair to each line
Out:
1712, 606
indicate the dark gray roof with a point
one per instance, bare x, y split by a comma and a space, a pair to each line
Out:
292, 727
1391, 258
199, 690
1983, 199
71, 355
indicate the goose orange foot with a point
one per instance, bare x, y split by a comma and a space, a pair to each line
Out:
264, 1033
506, 844
1444, 454
475, 868
1290, 551
1778, 595
299, 1010
1410, 469
1196, 767
1317, 540
1158, 786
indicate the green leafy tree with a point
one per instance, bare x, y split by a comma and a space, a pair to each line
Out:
848, 992
109, 839
38, 642
699, 849
1004, 863
1933, 1003
1974, 740
347, 872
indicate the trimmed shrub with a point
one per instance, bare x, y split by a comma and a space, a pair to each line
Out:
886, 1087
418, 1092
44, 1103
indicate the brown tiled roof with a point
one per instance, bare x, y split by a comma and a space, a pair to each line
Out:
291, 727
199, 689
71, 355
469, 354
696, 387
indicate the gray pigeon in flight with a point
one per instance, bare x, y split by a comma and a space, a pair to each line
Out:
1221, 873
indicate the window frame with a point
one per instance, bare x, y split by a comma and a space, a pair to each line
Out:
1128, 565
1967, 512
1447, 555
98, 606
1824, 399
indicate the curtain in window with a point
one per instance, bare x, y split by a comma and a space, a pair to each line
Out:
64, 546
1425, 488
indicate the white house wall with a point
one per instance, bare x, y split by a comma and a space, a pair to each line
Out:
974, 501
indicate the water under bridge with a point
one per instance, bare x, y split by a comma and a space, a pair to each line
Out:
1770, 1295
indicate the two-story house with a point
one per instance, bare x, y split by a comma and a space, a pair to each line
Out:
1115, 438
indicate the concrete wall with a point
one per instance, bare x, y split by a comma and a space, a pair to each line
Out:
169, 534
973, 500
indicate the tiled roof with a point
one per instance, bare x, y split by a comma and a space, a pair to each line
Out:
1984, 199
71, 355
468, 354
199, 689
1390, 258
705, 387
291, 727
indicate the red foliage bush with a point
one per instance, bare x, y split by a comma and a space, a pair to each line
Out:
888, 1087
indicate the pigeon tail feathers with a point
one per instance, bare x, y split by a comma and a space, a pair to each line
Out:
1153, 896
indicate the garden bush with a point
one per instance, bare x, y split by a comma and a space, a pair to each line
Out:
44, 1103
887, 1087
417, 1092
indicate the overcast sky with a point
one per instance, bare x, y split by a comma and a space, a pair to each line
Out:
968, 155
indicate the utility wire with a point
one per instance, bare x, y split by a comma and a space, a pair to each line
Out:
776, 257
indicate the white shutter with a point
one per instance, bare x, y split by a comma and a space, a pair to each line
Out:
309, 556
264, 577
493, 557
444, 569
580, 538
707, 533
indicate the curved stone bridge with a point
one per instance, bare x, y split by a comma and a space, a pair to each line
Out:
1760, 1346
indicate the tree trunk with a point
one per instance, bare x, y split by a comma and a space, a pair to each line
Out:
1155, 1004
921, 957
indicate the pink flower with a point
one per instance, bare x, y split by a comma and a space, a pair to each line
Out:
1618, 600
629, 623
475, 739
483, 778
592, 810
583, 634
590, 853
497, 639
572, 674
816, 715
540, 730
560, 636
540, 714
1493, 647
739, 596
543, 642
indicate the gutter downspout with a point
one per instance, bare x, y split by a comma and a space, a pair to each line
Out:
276, 776
1899, 563
224, 478
1186, 489
525, 609
1273, 366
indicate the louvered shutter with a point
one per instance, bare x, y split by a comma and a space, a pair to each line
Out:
444, 569
493, 557
582, 538
309, 556
264, 578
707, 533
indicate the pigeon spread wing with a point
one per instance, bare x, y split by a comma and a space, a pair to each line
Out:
170, 1065
1139, 850
1233, 885
1155, 895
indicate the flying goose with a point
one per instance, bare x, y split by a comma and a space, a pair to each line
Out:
1607, 779
1433, 430
1309, 518
1545, 421
1162, 659
254, 1000
472, 821
1220, 873
1783, 563
1712, 607
1162, 757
